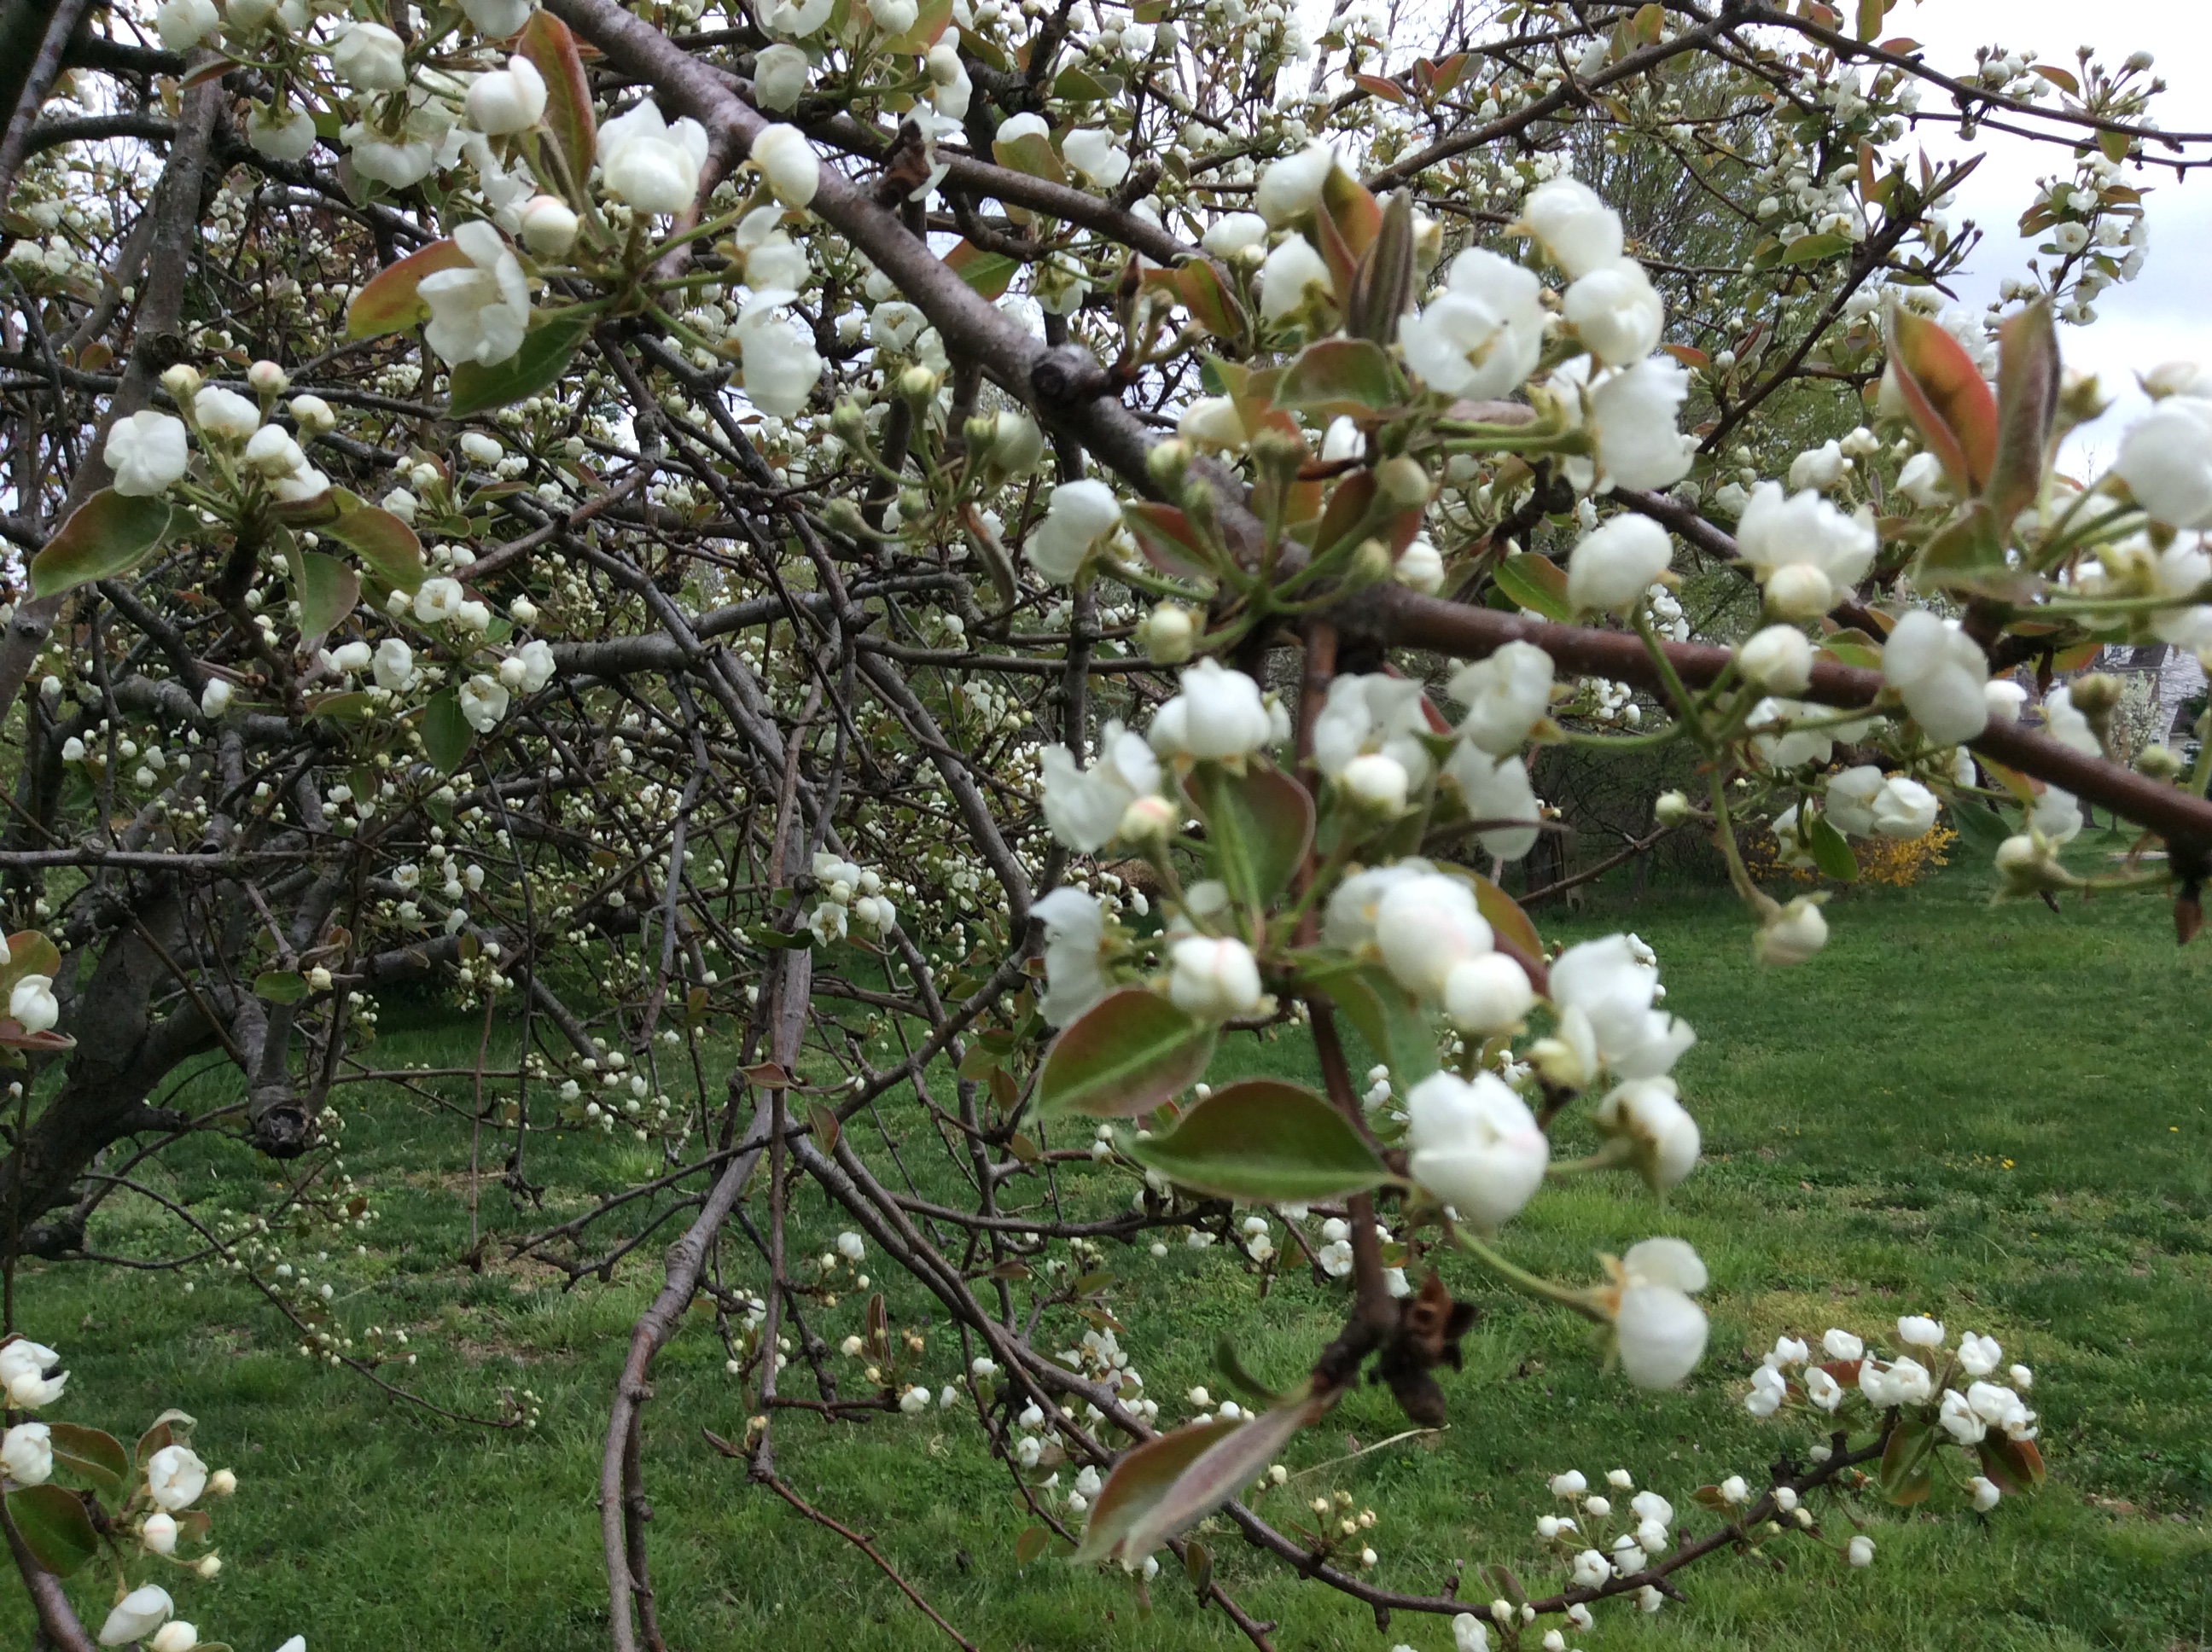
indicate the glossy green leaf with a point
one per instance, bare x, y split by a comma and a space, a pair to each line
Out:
552, 51
387, 546
1137, 1483
1259, 824
1943, 392
1339, 376
1535, 583
1124, 1056
110, 533
551, 340
445, 733
1225, 1467
96, 1455
328, 590
1267, 1140
1831, 853
390, 302
54, 1527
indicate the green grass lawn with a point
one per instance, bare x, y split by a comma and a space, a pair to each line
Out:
1998, 1117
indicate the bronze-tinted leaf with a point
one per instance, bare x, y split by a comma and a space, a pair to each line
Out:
1124, 1056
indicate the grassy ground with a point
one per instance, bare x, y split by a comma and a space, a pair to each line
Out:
1997, 1117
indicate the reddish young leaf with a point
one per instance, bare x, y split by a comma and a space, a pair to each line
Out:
389, 303
1956, 415
551, 49
1207, 297
1139, 1481
1227, 1466
2028, 401
1388, 90
1165, 536
1124, 1056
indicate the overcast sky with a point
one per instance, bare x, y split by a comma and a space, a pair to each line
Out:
2164, 315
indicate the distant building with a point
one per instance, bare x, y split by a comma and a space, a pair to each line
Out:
2176, 680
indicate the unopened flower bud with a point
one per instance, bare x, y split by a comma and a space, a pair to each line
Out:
549, 227
2159, 762
1170, 634
222, 1483
1148, 819
1370, 564
1671, 809
266, 379
1402, 481
1167, 462
918, 383
914, 504
979, 432
2096, 696
849, 422
182, 382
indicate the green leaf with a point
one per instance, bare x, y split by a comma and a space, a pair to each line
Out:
1259, 824
1339, 375
280, 986
1811, 249
387, 545
1137, 1483
1944, 392
390, 302
1535, 583
1967, 552
1030, 1544
328, 590
1031, 153
989, 273
54, 1527
552, 51
110, 533
99, 1456
1124, 1056
445, 733
551, 340
1233, 1369
29, 953
1905, 1460
1830, 853
1267, 1140
1389, 1019
1218, 1473
1198, 1566
1980, 827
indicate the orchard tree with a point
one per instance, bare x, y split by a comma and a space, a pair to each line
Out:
958, 560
